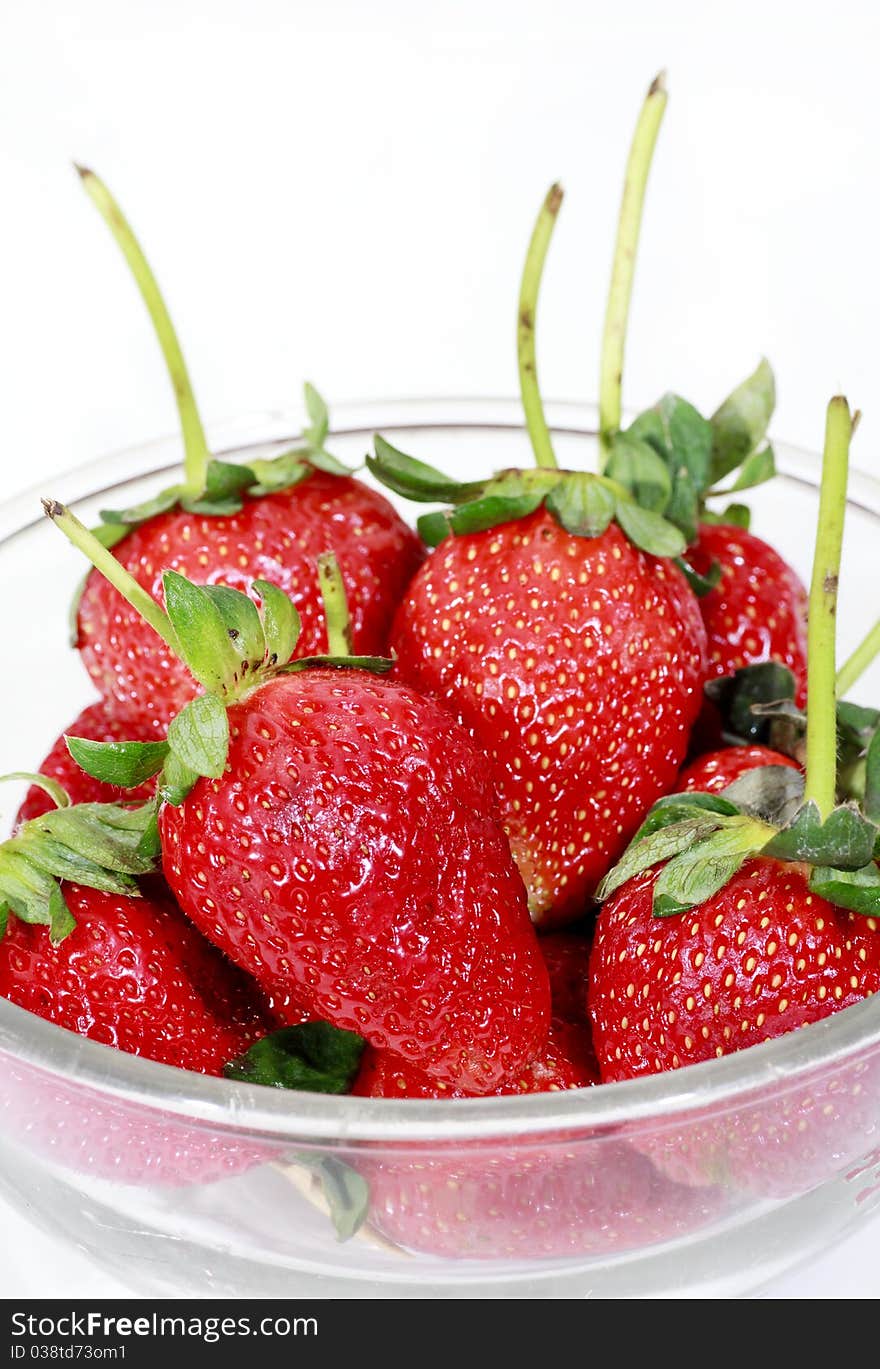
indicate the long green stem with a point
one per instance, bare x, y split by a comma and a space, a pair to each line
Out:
821, 764
617, 309
525, 332
105, 562
856, 665
335, 605
196, 454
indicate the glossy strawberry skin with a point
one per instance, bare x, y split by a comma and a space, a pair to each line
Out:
351, 860
758, 612
134, 974
95, 723
758, 959
711, 773
568, 1060
577, 665
277, 538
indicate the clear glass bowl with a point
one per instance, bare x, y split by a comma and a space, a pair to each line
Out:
710, 1180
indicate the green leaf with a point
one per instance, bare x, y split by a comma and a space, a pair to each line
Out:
681, 435
315, 1057
845, 840
582, 505
346, 1193
638, 467
199, 736
57, 793
700, 584
857, 890
648, 530
674, 808
734, 516
139, 513
872, 779
204, 641
695, 875
281, 472
683, 508
375, 665
61, 920
757, 469
243, 624
856, 724
319, 417
415, 479
736, 696
325, 461
433, 528
494, 509
772, 793
739, 425
660, 845
125, 764
225, 483
177, 781
281, 622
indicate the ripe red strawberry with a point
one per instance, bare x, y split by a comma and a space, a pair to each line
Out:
92, 1133
229, 525
277, 537
761, 957
755, 925
599, 1197
337, 835
96, 724
134, 974
577, 664
711, 773
758, 610
351, 856
566, 1062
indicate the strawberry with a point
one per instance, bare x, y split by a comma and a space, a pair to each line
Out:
590, 1198
230, 524
96, 724
763, 920
134, 974
550, 618
567, 1061
576, 664
336, 835
757, 612
713, 772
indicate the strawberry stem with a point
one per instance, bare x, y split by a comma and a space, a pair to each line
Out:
106, 563
856, 665
196, 454
530, 285
335, 603
821, 760
623, 269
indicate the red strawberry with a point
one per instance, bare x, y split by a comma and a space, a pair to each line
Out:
763, 920
95, 723
277, 537
567, 1061
576, 663
229, 525
758, 610
711, 773
761, 957
89, 1132
596, 1197
351, 857
134, 974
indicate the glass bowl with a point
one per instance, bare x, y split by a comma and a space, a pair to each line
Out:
706, 1181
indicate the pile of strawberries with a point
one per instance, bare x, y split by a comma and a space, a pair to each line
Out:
351, 797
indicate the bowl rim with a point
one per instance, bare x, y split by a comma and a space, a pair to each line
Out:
229, 1105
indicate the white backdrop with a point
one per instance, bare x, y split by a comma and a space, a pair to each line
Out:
344, 192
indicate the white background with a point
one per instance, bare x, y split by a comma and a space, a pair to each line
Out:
343, 191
